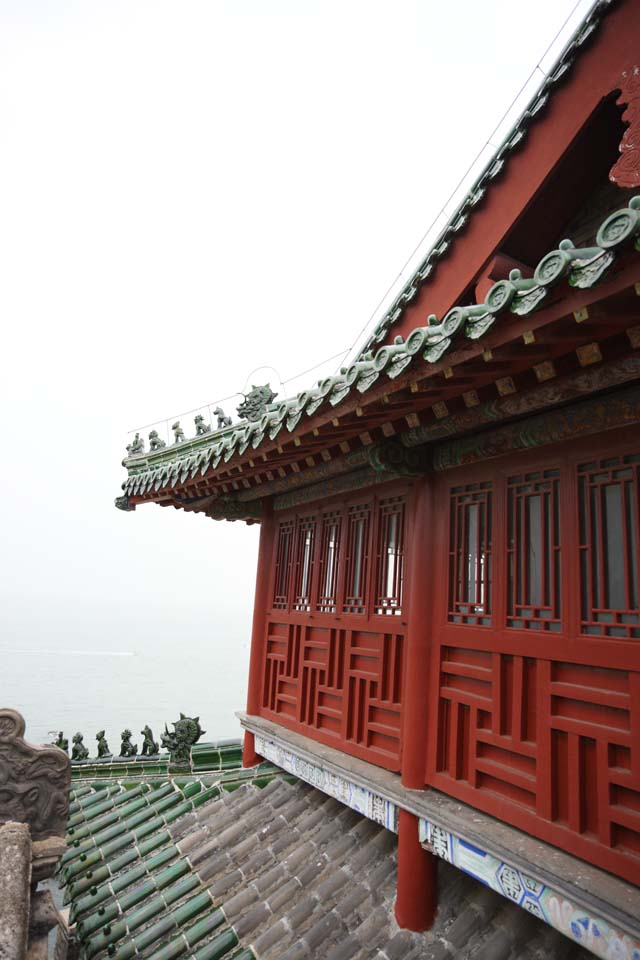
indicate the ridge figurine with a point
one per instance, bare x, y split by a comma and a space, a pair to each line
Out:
79, 751
127, 749
201, 426
149, 745
103, 746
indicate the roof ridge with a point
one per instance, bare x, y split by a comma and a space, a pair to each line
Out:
458, 219
581, 267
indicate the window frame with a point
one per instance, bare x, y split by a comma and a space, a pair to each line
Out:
338, 508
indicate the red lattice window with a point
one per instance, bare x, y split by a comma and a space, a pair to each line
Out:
390, 558
533, 551
283, 565
357, 559
470, 555
305, 546
328, 566
608, 516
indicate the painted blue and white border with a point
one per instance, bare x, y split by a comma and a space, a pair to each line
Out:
359, 798
591, 932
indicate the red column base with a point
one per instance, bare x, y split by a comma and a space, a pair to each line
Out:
417, 897
249, 756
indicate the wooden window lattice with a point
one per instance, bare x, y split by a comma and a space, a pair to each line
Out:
357, 559
305, 548
283, 566
533, 551
390, 557
470, 571
609, 537
329, 563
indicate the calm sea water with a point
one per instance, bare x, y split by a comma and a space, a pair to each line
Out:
86, 691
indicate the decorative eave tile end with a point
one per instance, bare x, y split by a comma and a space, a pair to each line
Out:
124, 503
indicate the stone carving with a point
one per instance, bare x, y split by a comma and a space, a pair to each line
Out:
187, 731
61, 742
34, 781
255, 403
626, 170
136, 445
222, 419
79, 751
178, 432
103, 746
149, 745
127, 749
201, 426
155, 443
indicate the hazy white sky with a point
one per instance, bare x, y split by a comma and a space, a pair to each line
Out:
189, 191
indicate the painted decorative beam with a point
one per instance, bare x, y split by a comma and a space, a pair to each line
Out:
582, 384
579, 420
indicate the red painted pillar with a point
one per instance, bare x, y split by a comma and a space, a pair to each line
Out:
260, 603
417, 897
416, 675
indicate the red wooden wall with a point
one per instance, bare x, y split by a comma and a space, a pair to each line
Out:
335, 630
535, 671
531, 676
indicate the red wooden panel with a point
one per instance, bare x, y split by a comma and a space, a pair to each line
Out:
538, 717
340, 686
332, 668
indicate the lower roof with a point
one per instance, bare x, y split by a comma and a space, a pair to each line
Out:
282, 871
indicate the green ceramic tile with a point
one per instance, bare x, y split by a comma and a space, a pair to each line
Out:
152, 934
187, 911
205, 795
181, 889
218, 947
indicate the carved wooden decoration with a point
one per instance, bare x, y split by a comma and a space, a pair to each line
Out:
34, 781
626, 171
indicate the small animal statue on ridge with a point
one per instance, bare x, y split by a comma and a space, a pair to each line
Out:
201, 426
223, 419
149, 745
155, 443
178, 432
103, 746
136, 445
79, 751
61, 742
127, 749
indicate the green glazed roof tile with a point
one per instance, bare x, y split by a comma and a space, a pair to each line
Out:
219, 947
114, 801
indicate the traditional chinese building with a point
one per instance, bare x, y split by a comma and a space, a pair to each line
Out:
446, 630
